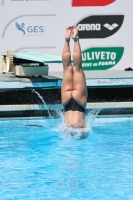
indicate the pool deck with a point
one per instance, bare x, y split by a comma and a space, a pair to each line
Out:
94, 79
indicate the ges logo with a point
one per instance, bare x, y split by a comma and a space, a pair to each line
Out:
30, 29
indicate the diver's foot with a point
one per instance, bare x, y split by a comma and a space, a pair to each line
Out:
68, 33
75, 33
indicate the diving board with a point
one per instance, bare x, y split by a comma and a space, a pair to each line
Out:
27, 63
36, 57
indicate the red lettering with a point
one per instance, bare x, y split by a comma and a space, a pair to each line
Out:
91, 2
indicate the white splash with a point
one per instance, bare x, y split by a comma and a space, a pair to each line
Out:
77, 133
71, 133
33, 90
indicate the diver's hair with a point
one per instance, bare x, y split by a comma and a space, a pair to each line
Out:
77, 133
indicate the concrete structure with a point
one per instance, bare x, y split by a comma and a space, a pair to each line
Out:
100, 80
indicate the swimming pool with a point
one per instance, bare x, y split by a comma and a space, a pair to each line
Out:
37, 162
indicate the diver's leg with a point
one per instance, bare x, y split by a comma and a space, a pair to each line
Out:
79, 82
67, 82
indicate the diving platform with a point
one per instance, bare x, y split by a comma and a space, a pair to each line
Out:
109, 91
54, 80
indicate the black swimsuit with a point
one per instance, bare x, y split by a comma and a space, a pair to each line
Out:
74, 106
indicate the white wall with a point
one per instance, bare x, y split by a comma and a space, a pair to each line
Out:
49, 18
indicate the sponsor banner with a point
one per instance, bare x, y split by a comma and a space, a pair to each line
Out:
12, 1
21, 1
101, 58
29, 29
30, 26
30, 0
99, 26
92, 2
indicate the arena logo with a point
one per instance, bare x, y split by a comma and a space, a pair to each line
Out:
30, 30
100, 26
101, 58
92, 2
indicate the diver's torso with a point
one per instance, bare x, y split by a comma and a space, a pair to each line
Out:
75, 119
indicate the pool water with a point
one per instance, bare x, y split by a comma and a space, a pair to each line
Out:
38, 163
